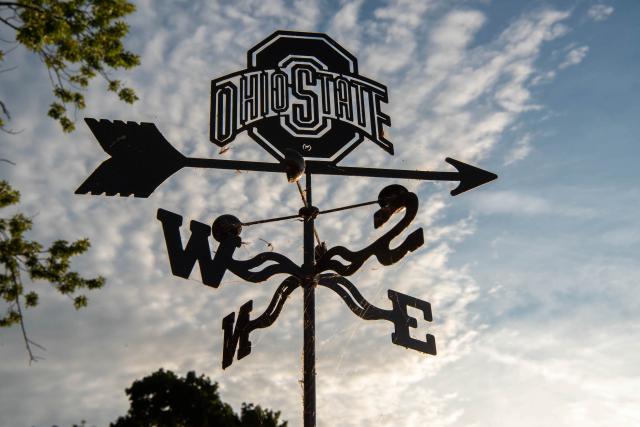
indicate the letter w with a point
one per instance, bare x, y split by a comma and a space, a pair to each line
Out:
183, 260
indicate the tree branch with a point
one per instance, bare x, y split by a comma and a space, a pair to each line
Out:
6, 70
4, 109
27, 342
14, 5
9, 24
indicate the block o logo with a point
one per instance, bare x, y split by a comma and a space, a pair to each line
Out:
300, 91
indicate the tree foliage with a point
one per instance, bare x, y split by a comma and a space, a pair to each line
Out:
76, 40
163, 399
255, 416
19, 256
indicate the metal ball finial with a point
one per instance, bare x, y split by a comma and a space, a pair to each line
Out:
293, 165
226, 226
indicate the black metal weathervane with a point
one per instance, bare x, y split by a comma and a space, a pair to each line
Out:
301, 98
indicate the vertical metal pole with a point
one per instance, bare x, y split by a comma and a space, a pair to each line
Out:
309, 319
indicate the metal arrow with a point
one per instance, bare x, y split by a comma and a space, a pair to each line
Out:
142, 159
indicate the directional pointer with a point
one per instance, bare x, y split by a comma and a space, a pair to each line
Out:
142, 159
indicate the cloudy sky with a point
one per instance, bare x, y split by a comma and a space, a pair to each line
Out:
532, 278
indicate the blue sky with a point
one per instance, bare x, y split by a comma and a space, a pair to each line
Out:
532, 278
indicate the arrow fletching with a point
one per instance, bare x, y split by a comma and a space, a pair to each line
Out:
469, 176
141, 159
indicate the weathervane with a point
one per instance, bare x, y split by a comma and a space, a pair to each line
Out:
301, 99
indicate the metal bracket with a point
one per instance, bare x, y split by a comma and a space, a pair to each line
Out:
397, 315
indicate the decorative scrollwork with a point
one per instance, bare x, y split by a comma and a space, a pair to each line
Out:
283, 265
392, 199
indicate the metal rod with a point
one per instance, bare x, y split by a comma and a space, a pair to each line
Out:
306, 205
330, 169
263, 221
233, 164
323, 168
342, 208
304, 199
284, 218
309, 319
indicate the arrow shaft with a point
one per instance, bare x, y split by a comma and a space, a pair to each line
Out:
233, 165
322, 168
329, 169
147, 159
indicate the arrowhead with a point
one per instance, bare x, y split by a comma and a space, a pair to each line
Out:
470, 176
141, 159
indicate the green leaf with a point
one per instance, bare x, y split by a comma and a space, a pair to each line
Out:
127, 95
76, 40
80, 301
56, 111
8, 196
31, 299
114, 85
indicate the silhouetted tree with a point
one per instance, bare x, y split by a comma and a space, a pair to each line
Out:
83, 423
163, 399
255, 416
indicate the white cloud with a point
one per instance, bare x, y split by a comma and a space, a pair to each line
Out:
344, 25
508, 202
519, 151
522, 204
394, 30
574, 57
550, 353
468, 96
600, 12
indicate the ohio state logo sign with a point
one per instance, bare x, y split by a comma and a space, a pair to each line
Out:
302, 92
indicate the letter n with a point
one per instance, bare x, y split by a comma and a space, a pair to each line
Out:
236, 336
